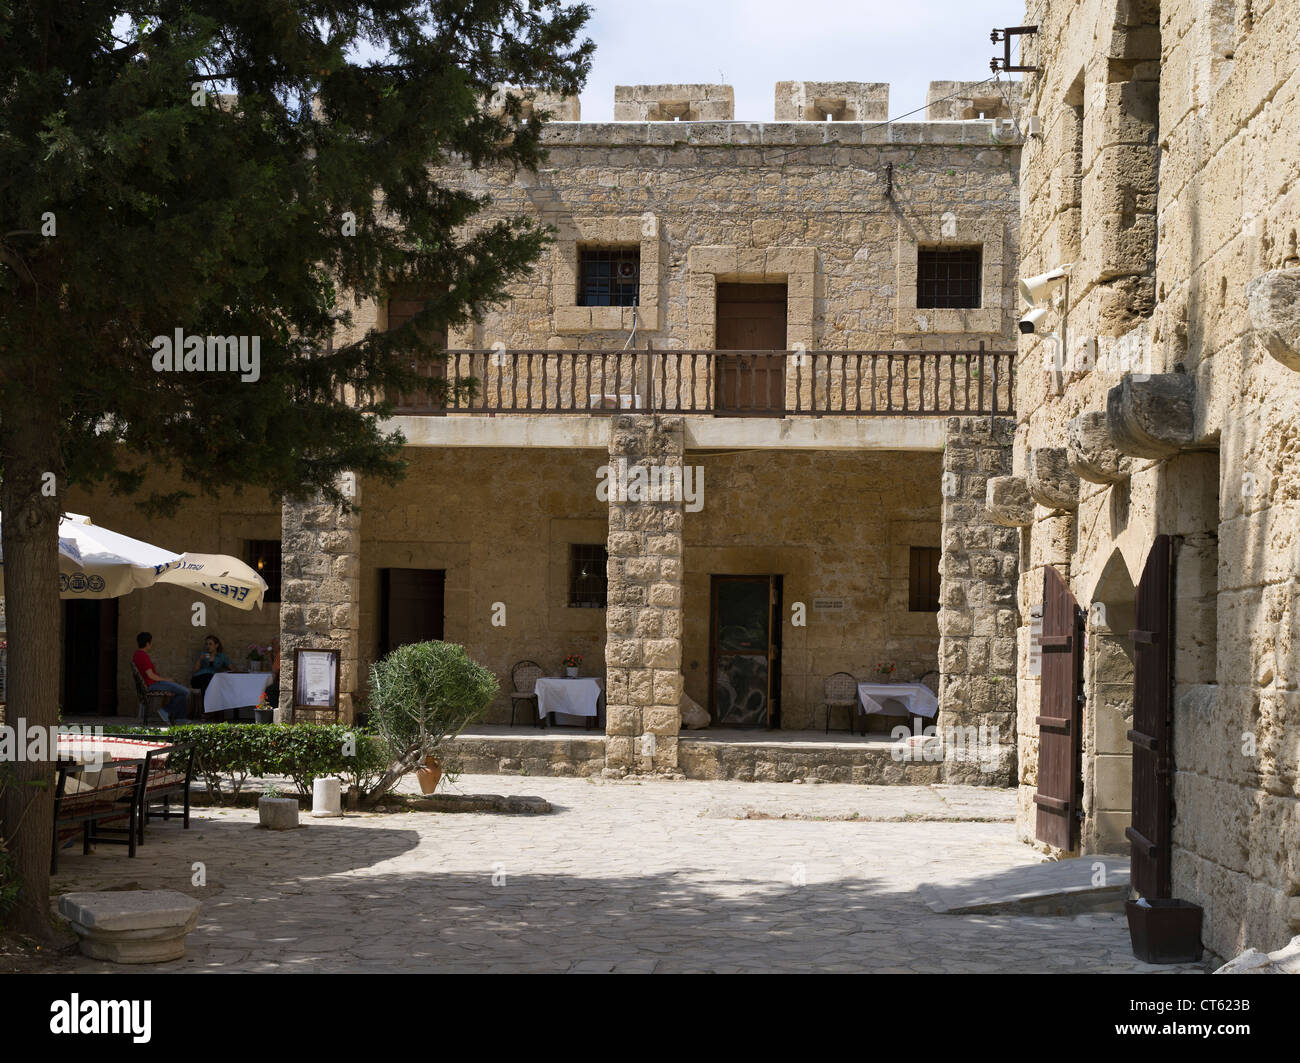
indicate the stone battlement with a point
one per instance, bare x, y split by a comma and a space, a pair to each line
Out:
836, 103
986, 133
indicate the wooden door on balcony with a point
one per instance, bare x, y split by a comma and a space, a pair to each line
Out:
403, 305
750, 318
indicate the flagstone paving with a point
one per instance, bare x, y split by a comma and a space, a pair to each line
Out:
622, 876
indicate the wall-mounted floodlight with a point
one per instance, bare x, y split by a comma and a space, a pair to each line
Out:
1036, 290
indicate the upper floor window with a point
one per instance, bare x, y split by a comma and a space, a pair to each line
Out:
948, 277
608, 276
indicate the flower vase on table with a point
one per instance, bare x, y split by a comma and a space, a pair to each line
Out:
257, 656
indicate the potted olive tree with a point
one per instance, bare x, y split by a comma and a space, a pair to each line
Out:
421, 695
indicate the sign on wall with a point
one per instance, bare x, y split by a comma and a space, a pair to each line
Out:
1036, 641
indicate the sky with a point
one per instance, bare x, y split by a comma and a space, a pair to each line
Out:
753, 44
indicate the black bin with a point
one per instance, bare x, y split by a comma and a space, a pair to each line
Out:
1167, 932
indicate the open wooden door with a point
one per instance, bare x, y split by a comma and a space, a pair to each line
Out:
410, 606
1060, 725
1152, 732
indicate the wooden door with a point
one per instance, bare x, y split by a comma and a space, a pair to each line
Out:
1152, 732
410, 606
402, 307
90, 657
745, 651
1060, 728
751, 318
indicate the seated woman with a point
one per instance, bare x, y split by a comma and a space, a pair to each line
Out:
211, 661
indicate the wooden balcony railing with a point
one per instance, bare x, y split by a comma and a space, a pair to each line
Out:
727, 383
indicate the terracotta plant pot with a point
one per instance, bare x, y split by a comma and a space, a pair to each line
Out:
429, 775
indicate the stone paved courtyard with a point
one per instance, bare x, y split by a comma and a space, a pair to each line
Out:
621, 876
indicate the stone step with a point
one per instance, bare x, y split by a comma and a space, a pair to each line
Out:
744, 756
1056, 887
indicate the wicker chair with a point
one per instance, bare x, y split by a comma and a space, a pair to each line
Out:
147, 700
523, 677
840, 692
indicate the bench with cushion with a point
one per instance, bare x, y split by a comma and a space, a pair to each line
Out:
86, 799
136, 777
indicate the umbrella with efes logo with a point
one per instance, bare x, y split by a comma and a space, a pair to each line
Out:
95, 562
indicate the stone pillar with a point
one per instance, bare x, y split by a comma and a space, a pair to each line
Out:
643, 621
977, 614
320, 558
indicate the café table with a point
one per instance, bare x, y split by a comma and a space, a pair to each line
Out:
234, 690
561, 695
918, 699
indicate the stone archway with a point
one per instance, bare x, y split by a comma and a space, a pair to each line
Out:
1108, 711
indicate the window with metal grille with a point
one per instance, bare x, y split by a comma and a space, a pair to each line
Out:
608, 276
264, 556
948, 277
923, 580
588, 584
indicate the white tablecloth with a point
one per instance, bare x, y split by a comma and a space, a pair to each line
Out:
573, 697
919, 699
234, 690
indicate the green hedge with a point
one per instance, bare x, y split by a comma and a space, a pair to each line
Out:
230, 753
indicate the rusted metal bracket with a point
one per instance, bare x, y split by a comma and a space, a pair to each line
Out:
1004, 36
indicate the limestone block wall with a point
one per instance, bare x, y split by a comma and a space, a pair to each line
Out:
643, 649
951, 101
833, 525
222, 525
320, 560
835, 101
977, 616
499, 522
668, 103
1163, 259
796, 202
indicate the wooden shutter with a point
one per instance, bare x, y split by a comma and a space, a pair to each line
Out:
1059, 726
1152, 731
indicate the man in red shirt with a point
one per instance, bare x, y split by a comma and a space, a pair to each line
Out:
174, 712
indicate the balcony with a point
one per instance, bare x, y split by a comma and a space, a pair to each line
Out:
724, 383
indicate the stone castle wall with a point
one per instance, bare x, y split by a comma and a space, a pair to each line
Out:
1166, 173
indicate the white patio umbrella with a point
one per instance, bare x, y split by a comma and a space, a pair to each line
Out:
97, 563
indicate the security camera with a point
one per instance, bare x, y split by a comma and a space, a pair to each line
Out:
1035, 290
1030, 322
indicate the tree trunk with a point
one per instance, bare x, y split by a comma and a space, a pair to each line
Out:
29, 451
